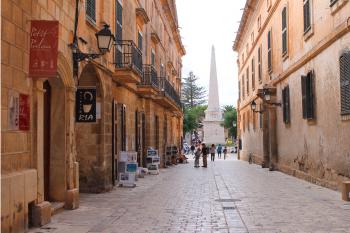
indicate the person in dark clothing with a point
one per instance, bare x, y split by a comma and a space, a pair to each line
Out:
225, 152
192, 149
204, 154
219, 150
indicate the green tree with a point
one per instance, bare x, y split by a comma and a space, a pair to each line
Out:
230, 120
192, 94
193, 118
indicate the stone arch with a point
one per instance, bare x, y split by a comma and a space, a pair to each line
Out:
65, 71
91, 135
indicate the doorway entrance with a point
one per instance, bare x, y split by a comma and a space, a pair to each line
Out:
47, 113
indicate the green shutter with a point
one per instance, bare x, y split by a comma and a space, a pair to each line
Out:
303, 94
345, 83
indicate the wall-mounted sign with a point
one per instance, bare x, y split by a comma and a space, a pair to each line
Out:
19, 111
43, 48
24, 112
13, 113
85, 105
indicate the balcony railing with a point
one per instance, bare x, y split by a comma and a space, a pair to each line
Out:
149, 77
169, 91
127, 55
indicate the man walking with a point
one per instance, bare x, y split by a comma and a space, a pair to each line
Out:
219, 151
204, 154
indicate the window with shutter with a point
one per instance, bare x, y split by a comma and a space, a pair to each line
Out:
247, 79
153, 57
243, 87
259, 65
260, 121
345, 83
284, 32
123, 126
119, 20
253, 74
307, 16
139, 40
308, 97
239, 89
286, 105
90, 10
269, 52
333, 2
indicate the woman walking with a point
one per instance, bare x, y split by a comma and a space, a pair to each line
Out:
225, 152
204, 154
212, 152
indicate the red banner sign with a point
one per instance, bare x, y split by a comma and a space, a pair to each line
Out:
43, 48
24, 112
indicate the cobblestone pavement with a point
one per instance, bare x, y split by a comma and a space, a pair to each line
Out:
228, 196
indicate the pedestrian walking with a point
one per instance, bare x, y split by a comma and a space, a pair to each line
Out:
197, 155
225, 152
204, 154
212, 152
219, 151
193, 149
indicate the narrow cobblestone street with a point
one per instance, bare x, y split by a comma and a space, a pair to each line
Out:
228, 196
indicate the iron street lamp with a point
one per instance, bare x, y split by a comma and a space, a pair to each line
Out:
104, 38
253, 107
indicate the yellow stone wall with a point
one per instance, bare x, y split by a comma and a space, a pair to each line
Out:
315, 150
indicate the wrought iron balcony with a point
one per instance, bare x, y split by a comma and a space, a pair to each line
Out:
150, 77
128, 57
169, 91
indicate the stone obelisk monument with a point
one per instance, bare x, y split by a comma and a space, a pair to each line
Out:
213, 131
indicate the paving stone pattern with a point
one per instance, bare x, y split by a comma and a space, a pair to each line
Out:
228, 196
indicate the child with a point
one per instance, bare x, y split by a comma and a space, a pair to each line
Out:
225, 152
197, 155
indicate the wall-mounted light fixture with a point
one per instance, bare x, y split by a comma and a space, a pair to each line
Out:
104, 38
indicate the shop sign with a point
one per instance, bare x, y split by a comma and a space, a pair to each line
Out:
24, 112
13, 113
85, 105
43, 48
19, 111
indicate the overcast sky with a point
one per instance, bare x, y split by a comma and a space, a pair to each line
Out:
204, 23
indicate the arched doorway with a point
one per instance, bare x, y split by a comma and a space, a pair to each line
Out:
54, 126
92, 139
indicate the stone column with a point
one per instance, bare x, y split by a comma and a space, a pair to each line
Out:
72, 194
272, 138
266, 147
42, 209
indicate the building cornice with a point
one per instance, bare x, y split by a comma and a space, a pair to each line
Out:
248, 10
262, 30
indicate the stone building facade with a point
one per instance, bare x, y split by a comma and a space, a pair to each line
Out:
293, 59
138, 83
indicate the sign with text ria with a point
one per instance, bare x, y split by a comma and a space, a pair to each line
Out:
85, 105
43, 49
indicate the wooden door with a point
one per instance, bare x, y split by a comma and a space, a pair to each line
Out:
47, 136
